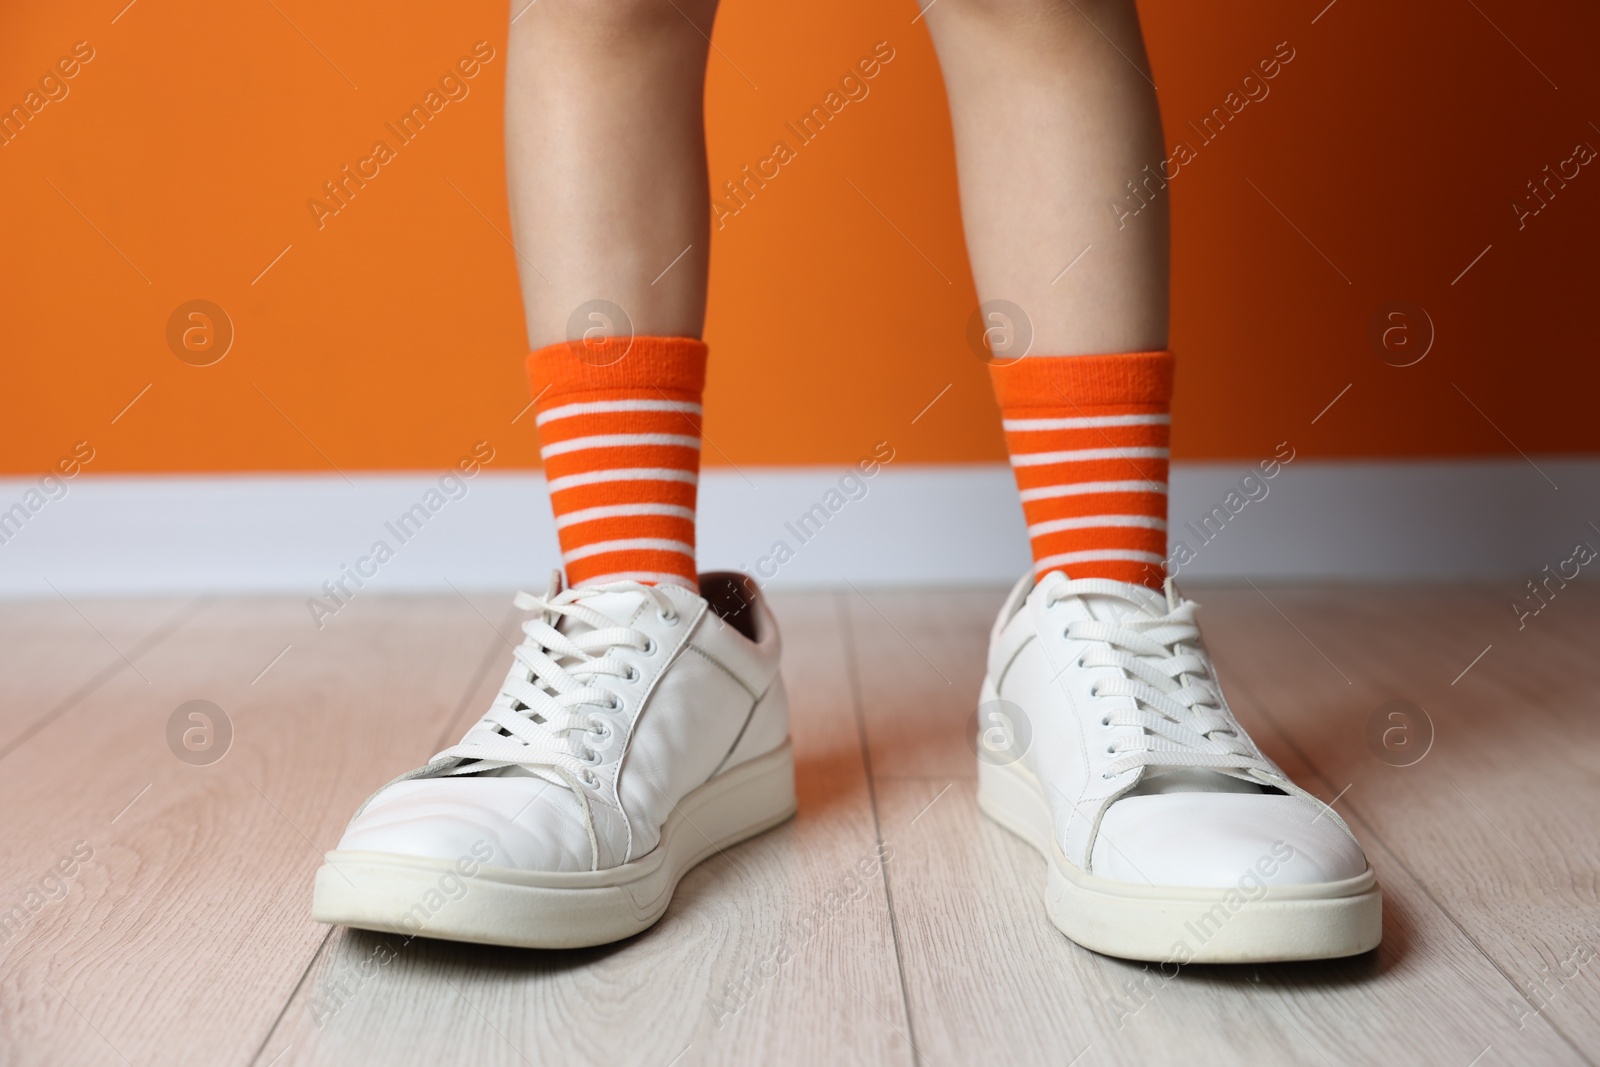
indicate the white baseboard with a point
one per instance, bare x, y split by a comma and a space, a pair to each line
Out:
943, 525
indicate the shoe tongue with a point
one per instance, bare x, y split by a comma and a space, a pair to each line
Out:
620, 607
1146, 602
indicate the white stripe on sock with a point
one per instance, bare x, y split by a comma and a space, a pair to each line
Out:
606, 407
619, 440
1091, 422
1089, 522
623, 474
1095, 556
1046, 492
639, 576
615, 511
1085, 455
629, 544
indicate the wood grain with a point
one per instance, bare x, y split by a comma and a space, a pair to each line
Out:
922, 663
185, 938
1496, 820
54, 653
182, 937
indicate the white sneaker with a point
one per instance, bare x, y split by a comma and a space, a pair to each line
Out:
641, 729
1106, 743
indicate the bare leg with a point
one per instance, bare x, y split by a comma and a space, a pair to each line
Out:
1053, 114
605, 149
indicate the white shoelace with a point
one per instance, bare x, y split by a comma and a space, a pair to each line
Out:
1178, 703
549, 706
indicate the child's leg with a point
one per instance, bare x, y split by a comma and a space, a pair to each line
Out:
632, 696
1054, 114
606, 153
1136, 771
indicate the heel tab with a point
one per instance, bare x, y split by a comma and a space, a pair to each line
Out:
736, 599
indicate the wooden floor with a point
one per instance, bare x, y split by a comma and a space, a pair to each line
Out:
182, 936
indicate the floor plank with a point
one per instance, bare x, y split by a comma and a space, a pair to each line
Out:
54, 653
186, 930
185, 937
922, 655
1496, 820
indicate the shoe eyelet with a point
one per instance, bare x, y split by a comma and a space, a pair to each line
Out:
615, 703
650, 646
632, 675
668, 617
589, 779
599, 729
1106, 721
1111, 750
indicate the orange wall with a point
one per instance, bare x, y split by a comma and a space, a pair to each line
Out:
181, 161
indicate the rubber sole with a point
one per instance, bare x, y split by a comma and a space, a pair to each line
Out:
1171, 924
413, 895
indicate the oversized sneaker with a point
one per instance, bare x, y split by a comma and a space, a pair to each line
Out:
641, 729
1105, 742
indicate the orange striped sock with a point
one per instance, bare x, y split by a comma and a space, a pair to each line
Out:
621, 451
1088, 441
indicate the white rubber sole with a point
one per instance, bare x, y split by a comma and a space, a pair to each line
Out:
414, 895
1176, 925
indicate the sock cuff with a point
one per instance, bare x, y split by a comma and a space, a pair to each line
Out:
672, 366
1119, 379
